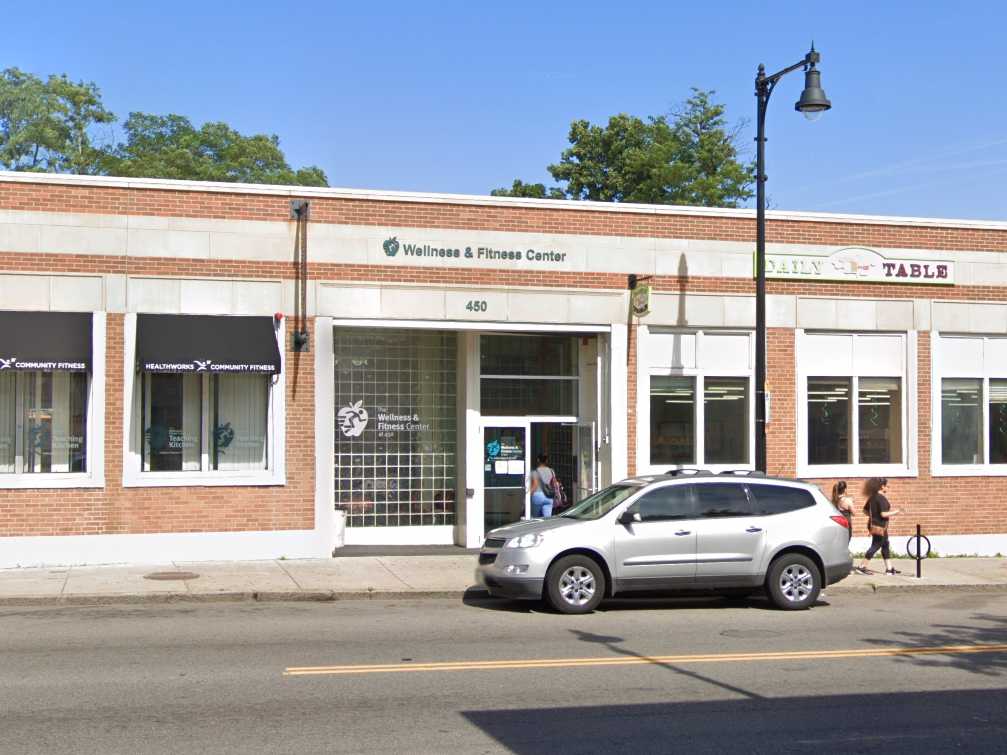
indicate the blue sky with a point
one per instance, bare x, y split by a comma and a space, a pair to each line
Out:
466, 96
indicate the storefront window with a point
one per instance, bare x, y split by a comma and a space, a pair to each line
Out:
878, 409
961, 421
672, 420
239, 419
528, 375
8, 423
725, 421
855, 420
396, 426
829, 421
998, 421
173, 422
43, 422
197, 422
528, 354
879, 403
675, 419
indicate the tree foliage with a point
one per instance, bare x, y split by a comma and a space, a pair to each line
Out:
169, 146
48, 125
55, 126
532, 191
687, 157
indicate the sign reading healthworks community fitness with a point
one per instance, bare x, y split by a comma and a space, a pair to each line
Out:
860, 265
433, 253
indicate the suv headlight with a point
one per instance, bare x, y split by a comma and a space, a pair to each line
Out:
525, 541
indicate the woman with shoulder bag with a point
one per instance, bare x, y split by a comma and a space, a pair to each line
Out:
879, 512
541, 488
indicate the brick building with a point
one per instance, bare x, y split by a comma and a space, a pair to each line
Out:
152, 405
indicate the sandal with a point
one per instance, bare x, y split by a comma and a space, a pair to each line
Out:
862, 570
893, 571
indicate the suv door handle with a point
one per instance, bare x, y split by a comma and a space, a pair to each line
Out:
754, 529
683, 532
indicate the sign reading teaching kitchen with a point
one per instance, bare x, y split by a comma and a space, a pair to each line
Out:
861, 265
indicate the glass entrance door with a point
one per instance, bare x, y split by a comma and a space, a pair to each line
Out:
505, 473
584, 448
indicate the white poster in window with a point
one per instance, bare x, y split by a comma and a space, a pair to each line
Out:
515, 467
500, 466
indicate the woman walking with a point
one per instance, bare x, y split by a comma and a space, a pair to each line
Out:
541, 488
880, 512
844, 502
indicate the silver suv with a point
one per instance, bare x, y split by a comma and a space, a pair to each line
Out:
687, 530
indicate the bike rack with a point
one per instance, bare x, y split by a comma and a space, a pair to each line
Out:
920, 538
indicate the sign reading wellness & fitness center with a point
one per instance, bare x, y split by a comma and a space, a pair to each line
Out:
392, 247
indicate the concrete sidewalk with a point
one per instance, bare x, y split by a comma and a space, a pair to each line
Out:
362, 577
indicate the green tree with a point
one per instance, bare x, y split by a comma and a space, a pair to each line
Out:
688, 157
48, 125
51, 126
532, 191
169, 146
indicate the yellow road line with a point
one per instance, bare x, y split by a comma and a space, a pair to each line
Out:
543, 663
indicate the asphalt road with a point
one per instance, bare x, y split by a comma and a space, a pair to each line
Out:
854, 674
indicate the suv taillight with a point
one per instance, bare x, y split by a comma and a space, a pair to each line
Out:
840, 520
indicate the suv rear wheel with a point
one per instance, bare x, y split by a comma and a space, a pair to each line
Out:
575, 584
793, 582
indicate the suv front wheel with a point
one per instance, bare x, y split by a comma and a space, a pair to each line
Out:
575, 584
793, 582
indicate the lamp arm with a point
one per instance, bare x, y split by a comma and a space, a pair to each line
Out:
790, 69
765, 84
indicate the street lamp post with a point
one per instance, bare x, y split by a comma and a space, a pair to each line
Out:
812, 103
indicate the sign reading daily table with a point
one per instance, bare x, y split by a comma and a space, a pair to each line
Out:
857, 264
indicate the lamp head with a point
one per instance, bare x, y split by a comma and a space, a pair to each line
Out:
813, 101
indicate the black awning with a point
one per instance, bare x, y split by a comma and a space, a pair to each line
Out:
206, 343
45, 341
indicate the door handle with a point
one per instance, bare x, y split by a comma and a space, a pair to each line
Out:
754, 529
683, 532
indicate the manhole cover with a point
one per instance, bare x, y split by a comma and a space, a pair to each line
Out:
168, 575
750, 634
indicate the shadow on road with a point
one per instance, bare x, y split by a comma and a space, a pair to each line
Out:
986, 664
612, 644
891, 722
642, 602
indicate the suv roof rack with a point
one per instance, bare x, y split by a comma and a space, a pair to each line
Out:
687, 472
743, 472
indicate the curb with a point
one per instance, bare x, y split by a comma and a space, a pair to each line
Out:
874, 588
331, 596
286, 596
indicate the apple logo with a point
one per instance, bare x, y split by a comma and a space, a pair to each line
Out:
353, 419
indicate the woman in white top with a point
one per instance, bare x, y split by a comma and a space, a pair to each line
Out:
541, 488
844, 502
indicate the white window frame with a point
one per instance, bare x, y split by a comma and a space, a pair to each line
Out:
94, 439
132, 474
939, 372
908, 382
699, 375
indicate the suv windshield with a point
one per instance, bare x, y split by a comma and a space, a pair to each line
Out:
599, 504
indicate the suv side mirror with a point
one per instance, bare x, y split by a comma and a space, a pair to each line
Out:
629, 517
